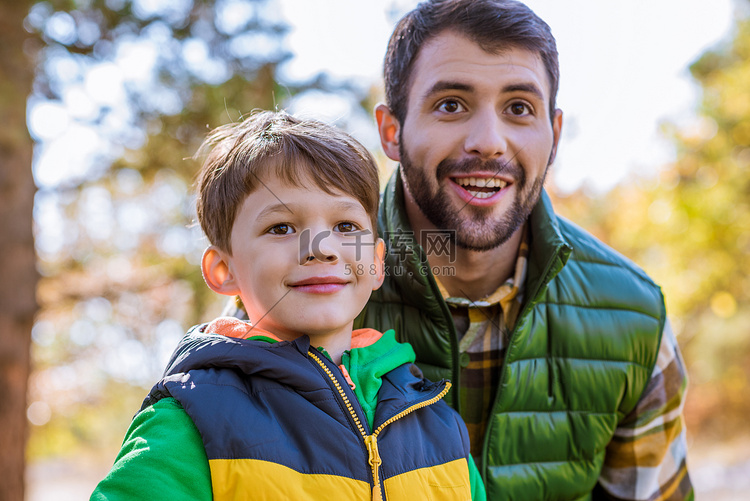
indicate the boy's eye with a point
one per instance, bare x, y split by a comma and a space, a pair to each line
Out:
281, 229
346, 227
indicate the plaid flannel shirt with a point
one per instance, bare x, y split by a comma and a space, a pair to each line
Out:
646, 458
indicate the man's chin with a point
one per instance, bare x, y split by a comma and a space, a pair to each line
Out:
484, 233
483, 242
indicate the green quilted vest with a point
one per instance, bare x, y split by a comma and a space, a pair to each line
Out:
579, 358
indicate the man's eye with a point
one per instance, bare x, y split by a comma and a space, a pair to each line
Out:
450, 106
281, 229
519, 109
346, 227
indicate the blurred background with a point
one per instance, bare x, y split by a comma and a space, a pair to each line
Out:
116, 96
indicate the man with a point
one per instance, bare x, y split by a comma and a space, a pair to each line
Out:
565, 367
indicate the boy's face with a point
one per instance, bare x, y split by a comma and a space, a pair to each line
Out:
303, 261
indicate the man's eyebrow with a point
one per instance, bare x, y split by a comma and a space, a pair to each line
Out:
447, 85
443, 85
529, 88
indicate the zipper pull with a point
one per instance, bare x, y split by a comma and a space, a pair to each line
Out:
371, 442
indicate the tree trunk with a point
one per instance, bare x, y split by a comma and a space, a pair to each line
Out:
18, 275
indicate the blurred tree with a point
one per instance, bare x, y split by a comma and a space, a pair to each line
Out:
17, 267
135, 85
689, 227
701, 211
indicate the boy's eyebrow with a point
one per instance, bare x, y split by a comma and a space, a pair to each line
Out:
278, 208
282, 208
347, 204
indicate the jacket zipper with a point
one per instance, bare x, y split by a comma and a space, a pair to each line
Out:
371, 441
528, 307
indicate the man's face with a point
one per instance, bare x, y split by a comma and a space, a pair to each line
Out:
477, 138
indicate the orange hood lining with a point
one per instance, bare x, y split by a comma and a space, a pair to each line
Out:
236, 328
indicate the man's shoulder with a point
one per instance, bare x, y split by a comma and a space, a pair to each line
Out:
597, 276
589, 251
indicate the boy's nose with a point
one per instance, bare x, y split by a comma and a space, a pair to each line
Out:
315, 246
330, 258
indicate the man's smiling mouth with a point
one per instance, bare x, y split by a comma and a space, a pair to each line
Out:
480, 187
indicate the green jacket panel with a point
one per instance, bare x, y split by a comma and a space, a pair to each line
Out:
578, 359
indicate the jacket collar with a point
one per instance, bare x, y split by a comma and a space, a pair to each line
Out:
406, 262
549, 250
548, 253
287, 362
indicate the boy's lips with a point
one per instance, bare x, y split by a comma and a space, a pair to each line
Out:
319, 285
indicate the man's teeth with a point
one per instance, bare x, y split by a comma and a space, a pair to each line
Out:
481, 182
481, 194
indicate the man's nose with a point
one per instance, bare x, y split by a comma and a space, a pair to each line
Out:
486, 136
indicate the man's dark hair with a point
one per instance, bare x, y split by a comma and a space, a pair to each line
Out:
494, 25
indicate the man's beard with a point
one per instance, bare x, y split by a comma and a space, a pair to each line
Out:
474, 226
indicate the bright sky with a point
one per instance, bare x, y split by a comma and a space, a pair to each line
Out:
623, 70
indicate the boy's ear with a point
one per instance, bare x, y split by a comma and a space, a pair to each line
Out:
388, 128
217, 273
379, 263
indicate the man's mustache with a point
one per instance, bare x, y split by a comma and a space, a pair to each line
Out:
449, 167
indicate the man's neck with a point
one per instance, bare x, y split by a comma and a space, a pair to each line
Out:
469, 274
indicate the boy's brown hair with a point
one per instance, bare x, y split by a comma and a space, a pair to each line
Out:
296, 150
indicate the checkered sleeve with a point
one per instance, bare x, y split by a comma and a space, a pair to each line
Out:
646, 459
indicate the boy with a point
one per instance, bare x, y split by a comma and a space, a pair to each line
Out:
293, 405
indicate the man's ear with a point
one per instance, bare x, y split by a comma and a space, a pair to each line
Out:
557, 123
388, 128
379, 263
218, 273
